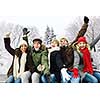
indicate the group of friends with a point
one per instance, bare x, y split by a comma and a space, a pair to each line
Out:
62, 62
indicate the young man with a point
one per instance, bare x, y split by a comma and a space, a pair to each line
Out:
40, 60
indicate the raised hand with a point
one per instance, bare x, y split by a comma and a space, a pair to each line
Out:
86, 19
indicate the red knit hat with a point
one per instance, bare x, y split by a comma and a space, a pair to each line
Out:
81, 39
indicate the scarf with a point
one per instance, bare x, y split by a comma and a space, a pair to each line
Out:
16, 66
87, 61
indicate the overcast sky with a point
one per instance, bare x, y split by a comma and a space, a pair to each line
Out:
59, 23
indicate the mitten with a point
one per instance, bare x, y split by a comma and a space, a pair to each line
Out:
25, 31
41, 68
65, 75
86, 19
7, 34
75, 73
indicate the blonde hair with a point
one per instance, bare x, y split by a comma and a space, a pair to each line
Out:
87, 46
63, 39
56, 41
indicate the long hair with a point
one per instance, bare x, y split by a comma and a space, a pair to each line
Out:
78, 48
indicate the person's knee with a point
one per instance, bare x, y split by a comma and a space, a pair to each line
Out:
95, 80
75, 80
43, 79
18, 80
52, 78
35, 77
25, 77
10, 79
26, 74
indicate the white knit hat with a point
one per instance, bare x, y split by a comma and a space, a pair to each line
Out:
22, 42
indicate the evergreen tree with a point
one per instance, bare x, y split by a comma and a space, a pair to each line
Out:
49, 36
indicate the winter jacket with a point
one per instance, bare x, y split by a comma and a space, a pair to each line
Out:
55, 62
67, 53
40, 57
17, 52
78, 62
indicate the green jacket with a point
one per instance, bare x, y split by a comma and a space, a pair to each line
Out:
40, 57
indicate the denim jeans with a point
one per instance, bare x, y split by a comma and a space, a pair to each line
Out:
72, 79
97, 75
89, 78
47, 79
12, 80
53, 78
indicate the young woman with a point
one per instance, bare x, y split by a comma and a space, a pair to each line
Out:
22, 66
55, 62
85, 63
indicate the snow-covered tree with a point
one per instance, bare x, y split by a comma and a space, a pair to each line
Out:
16, 36
92, 33
49, 36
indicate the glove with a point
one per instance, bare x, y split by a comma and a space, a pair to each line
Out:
41, 68
86, 19
25, 31
7, 34
75, 72
65, 75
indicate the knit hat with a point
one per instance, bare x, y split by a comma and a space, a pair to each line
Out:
81, 39
22, 42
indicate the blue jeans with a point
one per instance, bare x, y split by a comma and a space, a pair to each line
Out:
51, 80
89, 79
72, 79
44, 79
97, 75
12, 80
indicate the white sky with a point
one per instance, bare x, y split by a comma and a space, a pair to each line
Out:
59, 23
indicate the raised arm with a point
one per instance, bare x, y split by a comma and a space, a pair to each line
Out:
25, 34
7, 45
83, 29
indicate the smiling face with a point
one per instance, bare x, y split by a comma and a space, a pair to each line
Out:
63, 42
53, 44
23, 48
82, 45
36, 45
